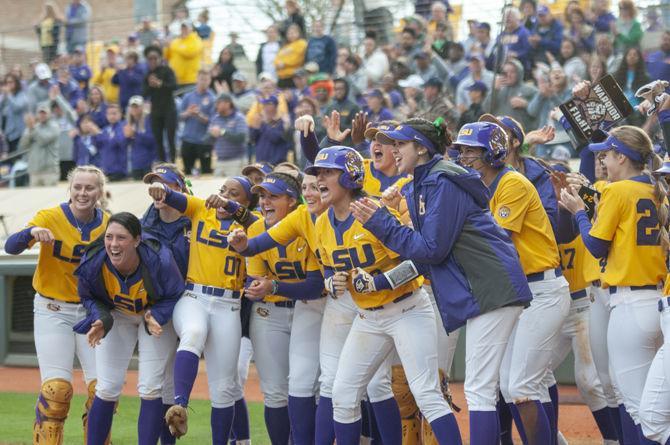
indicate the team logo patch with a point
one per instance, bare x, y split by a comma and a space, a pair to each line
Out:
498, 140
263, 312
354, 165
465, 132
53, 307
504, 212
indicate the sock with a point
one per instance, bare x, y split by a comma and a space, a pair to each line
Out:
278, 425
240, 429
553, 395
388, 423
166, 437
514, 411
504, 421
644, 440
484, 427
366, 429
446, 430
551, 415
628, 427
543, 428
324, 430
150, 421
604, 422
221, 420
99, 421
302, 412
348, 433
185, 372
616, 422
375, 435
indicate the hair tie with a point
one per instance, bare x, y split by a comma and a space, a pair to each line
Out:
437, 123
187, 183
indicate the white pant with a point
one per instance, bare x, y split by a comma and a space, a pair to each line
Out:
655, 402
338, 317
243, 362
529, 351
633, 337
485, 344
56, 343
211, 325
116, 349
303, 376
446, 343
409, 326
599, 318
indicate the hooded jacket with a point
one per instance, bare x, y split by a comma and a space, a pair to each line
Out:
162, 281
472, 263
184, 56
174, 235
502, 106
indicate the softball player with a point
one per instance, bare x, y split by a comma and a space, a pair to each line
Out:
338, 316
129, 288
63, 232
401, 317
516, 206
468, 257
286, 286
206, 318
630, 238
172, 229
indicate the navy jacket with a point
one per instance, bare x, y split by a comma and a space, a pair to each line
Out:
113, 149
272, 141
162, 281
539, 176
129, 81
143, 149
174, 235
473, 265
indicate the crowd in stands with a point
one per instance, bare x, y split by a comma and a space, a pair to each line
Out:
157, 95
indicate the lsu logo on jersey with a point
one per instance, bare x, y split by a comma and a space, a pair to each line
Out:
77, 252
289, 270
135, 305
214, 238
350, 258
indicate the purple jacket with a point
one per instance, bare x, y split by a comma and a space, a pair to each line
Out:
129, 81
142, 147
272, 141
84, 151
113, 148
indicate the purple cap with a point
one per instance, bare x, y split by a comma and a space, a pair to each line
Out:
261, 167
612, 143
375, 93
164, 175
478, 85
276, 186
270, 100
543, 10
406, 133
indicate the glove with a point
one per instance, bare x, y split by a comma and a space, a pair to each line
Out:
363, 282
337, 284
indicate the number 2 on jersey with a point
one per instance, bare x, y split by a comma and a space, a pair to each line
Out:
647, 226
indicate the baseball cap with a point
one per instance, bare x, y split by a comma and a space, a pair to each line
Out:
266, 76
136, 100
560, 154
405, 133
78, 49
239, 76
165, 175
478, 85
375, 93
542, 10
270, 100
300, 73
187, 23
664, 170
476, 56
433, 82
224, 96
312, 67
42, 71
44, 107
276, 186
261, 167
612, 143
372, 131
484, 25
412, 81
422, 55
511, 127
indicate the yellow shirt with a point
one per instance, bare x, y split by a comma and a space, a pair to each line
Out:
104, 79
580, 268
348, 245
666, 288
289, 264
211, 262
54, 275
46, 28
129, 296
374, 182
627, 217
298, 223
290, 57
517, 207
184, 55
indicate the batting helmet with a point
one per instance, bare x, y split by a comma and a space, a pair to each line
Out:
346, 159
487, 136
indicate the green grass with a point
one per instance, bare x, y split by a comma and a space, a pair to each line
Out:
17, 413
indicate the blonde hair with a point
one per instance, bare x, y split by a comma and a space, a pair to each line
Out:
103, 201
638, 140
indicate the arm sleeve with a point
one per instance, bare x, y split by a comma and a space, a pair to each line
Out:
176, 200
19, 241
598, 247
259, 244
95, 309
309, 146
241, 214
535, 104
308, 289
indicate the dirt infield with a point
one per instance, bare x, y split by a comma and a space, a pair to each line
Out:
575, 420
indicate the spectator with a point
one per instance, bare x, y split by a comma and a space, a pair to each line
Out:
13, 105
97, 107
605, 50
48, 31
573, 65
597, 68
389, 88
342, 54
356, 77
321, 88
412, 88
658, 62
485, 43
158, 87
133, 46
105, 75
632, 74
301, 86
424, 8
376, 107
602, 18
194, 110
512, 94
409, 43
435, 103
140, 140
438, 15
342, 104
291, 56
477, 72
77, 15
147, 35
235, 48
456, 65
476, 95
223, 71
375, 61
470, 42
514, 39
528, 9
110, 142
229, 130
376, 19
174, 28
38, 90
40, 138
267, 88
202, 27
424, 68
184, 55
79, 70
295, 17
267, 52
579, 30
321, 48
243, 97
546, 36
271, 134
129, 79
653, 31
551, 93
627, 29
66, 119
84, 151
68, 87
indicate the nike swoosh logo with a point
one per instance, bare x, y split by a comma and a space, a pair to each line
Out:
359, 236
300, 249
